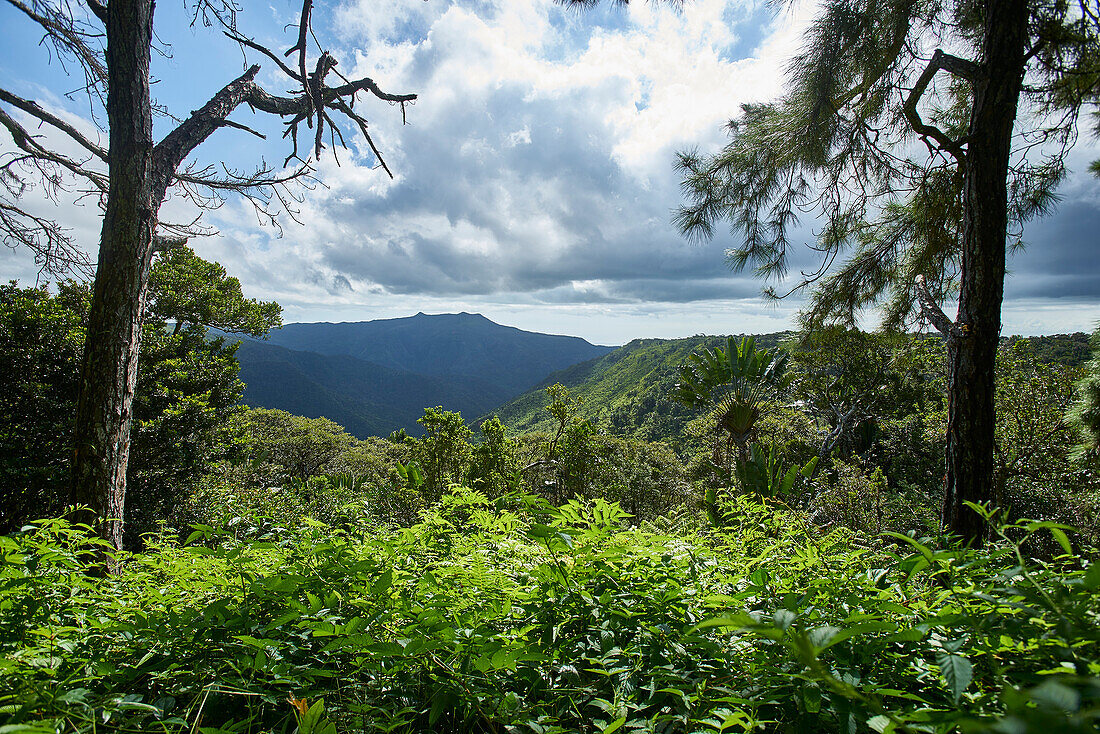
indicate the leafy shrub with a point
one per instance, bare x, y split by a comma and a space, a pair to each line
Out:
186, 396
850, 495
507, 614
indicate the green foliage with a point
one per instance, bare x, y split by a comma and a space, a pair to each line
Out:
512, 615
1068, 350
286, 447
736, 382
187, 394
579, 460
625, 393
287, 468
1037, 472
1086, 411
493, 462
851, 382
647, 479
444, 452
41, 340
185, 408
858, 70
1034, 439
190, 291
766, 476
851, 495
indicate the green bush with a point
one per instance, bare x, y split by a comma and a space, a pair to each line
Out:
186, 398
507, 614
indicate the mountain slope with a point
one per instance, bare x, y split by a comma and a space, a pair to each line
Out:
627, 390
367, 399
446, 345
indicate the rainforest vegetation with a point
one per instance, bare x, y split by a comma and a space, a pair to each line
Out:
826, 530
282, 574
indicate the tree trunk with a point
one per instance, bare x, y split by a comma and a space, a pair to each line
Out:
110, 365
970, 428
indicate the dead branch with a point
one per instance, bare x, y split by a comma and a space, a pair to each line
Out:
301, 48
165, 243
268, 190
250, 43
53, 249
27, 143
932, 311
34, 109
71, 37
962, 68
98, 9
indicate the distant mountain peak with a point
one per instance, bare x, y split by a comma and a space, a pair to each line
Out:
460, 316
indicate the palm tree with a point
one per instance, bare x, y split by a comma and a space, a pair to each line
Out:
735, 381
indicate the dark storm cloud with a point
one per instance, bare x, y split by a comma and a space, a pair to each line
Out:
1062, 258
652, 290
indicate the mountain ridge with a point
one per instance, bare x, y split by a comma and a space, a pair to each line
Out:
462, 344
627, 390
374, 377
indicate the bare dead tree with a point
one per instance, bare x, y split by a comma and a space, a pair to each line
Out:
111, 45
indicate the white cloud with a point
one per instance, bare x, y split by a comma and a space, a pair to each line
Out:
534, 180
539, 152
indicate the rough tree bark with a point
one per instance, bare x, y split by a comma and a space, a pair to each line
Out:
972, 356
109, 371
139, 175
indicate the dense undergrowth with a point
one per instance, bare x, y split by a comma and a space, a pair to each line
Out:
511, 615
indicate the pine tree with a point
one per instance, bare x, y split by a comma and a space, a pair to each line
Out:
920, 135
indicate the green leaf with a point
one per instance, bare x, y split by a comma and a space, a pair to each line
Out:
821, 636
1053, 694
881, 724
614, 725
382, 584
314, 602
538, 531
784, 618
1092, 576
808, 469
1063, 540
737, 620
956, 672
811, 699
920, 548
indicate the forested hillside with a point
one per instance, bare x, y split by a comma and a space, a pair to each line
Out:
365, 398
627, 392
445, 345
783, 567
457, 527
375, 377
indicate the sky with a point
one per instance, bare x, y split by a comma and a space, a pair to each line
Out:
534, 179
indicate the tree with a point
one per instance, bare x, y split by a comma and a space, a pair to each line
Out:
1086, 410
493, 462
897, 132
296, 447
735, 381
843, 378
41, 338
852, 381
444, 452
131, 180
188, 391
190, 291
1035, 439
186, 398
